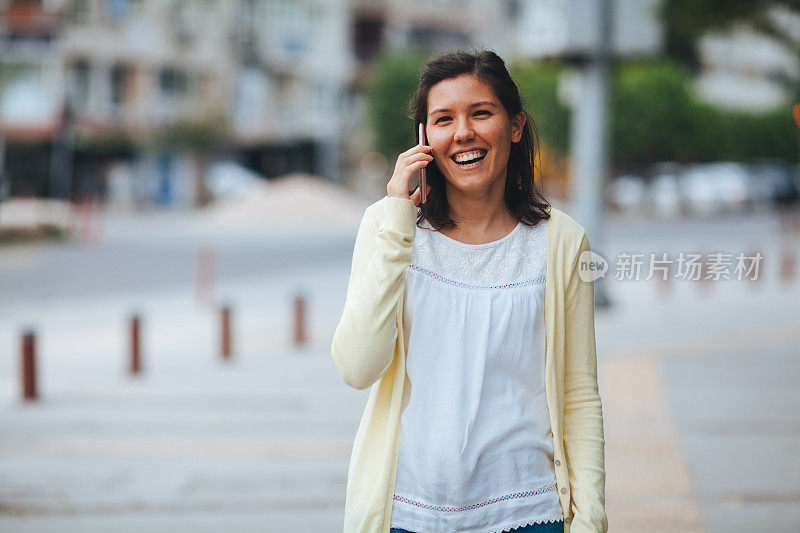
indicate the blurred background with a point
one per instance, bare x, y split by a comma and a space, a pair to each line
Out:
181, 182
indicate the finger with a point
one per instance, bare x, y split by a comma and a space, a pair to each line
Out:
413, 167
416, 197
416, 149
408, 159
418, 157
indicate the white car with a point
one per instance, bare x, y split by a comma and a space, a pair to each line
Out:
664, 193
626, 193
714, 187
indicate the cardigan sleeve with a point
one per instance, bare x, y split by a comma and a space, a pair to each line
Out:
583, 418
364, 340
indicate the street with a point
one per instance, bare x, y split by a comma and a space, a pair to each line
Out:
700, 382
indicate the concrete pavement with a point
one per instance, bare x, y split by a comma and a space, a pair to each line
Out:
700, 388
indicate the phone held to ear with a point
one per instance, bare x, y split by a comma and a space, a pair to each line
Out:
423, 182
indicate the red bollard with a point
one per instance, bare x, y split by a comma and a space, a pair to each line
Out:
299, 320
135, 354
29, 367
226, 333
788, 264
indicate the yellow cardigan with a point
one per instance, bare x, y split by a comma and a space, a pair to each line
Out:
368, 350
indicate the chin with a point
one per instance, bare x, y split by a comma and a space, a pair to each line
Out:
470, 185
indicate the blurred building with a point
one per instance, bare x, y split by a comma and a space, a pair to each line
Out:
427, 24
31, 93
130, 98
154, 82
748, 70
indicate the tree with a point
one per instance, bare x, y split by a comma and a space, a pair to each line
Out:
538, 83
393, 82
686, 21
199, 136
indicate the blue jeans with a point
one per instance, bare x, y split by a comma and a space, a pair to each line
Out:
552, 527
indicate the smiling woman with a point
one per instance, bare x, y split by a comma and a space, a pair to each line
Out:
484, 146
468, 318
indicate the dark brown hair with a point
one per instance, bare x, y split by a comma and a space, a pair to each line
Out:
526, 205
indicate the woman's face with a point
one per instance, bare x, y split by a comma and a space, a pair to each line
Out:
470, 133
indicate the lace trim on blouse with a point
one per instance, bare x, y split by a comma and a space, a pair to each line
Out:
520, 254
511, 496
438, 277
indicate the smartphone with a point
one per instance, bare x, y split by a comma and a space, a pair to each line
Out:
423, 182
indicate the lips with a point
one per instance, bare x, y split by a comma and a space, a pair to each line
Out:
467, 157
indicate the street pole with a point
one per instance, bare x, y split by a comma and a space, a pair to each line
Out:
589, 138
61, 158
2, 168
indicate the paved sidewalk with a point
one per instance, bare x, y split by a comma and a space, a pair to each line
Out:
649, 485
699, 388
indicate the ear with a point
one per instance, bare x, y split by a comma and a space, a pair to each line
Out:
517, 123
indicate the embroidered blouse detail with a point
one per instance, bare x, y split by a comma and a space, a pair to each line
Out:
443, 279
476, 450
517, 255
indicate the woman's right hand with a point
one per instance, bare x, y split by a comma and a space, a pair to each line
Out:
410, 161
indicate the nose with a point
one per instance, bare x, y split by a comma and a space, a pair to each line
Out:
464, 131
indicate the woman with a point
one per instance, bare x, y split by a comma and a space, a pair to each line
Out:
468, 319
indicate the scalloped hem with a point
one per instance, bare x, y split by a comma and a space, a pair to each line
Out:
518, 525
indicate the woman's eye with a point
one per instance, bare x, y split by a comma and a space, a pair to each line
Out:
482, 112
441, 118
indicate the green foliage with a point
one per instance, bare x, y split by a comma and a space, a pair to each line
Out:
538, 84
115, 142
655, 115
199, 134
40, 232
739, 136
650, 113
394, 80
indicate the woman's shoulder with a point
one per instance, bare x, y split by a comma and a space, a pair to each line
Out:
563, 226
378, 209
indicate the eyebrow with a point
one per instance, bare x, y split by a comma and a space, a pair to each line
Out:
476, 104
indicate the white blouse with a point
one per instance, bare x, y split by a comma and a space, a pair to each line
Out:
476, 451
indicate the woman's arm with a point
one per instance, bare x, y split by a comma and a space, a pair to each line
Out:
583, 416
364, 341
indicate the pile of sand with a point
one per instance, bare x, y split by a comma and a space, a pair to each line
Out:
28, 213
297, 200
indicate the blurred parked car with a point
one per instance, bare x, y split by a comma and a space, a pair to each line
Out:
712, 187
626, 193
663, 195
773, 183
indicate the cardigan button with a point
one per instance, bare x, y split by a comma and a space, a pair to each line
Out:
568, 520
558, 463
563, 490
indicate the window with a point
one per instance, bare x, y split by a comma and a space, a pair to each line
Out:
118, 10
173, 82
79, 84
80, 11
121, 77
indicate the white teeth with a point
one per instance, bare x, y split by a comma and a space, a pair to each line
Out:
469, 156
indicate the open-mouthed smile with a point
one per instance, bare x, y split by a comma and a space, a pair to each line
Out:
469, 159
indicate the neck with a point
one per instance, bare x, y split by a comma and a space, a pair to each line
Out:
479, 212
